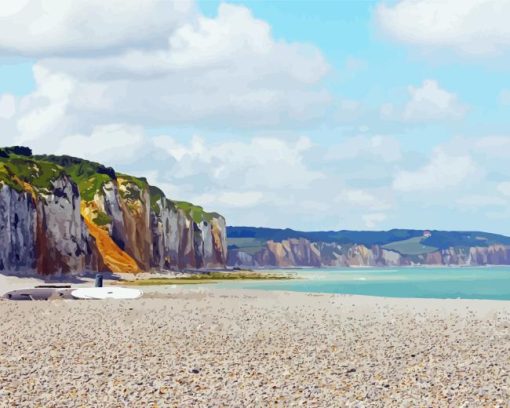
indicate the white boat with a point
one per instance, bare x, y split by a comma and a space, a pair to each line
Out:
106, 292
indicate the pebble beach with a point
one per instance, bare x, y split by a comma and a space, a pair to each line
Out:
206, 347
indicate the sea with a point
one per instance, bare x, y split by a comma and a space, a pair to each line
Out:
409, 282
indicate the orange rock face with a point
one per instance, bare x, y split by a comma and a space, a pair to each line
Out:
136, 215
112, 257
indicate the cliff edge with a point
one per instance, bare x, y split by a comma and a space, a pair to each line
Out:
65, 215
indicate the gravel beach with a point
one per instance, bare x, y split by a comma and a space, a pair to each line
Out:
238, 348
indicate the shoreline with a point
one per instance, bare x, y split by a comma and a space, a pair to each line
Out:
11, 283
167, 291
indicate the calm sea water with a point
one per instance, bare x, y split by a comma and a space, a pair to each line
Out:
443, 283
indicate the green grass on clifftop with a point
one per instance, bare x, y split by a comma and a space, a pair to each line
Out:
156, 195
18, 165
90, 177
133, 187
39, 174
196, 212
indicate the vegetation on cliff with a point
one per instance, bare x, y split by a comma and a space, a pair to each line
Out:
90, 177
196, 212
20, 171
128, 224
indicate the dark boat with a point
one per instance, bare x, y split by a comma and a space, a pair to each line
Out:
41, 293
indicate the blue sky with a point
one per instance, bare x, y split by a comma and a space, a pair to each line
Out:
16, 76
309, 115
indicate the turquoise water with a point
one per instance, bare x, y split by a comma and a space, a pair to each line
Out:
442, 283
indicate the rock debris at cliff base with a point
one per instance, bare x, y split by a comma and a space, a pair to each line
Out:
247, 348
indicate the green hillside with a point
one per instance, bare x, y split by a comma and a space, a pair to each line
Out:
248, 245
411, 246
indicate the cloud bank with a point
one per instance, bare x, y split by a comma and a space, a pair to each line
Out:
475, 28
219, 111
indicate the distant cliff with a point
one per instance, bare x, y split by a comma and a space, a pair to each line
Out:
260, 247
60, 215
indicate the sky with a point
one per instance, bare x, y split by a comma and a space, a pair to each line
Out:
312, 115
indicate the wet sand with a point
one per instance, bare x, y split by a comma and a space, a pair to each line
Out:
211, 348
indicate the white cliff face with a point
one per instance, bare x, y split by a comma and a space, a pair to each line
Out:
213, 235
108, 202
180, 243
135, 206
17, 231
165, 236
45, 228
43, 232
242, 259
219, 241
390, 258
62, 237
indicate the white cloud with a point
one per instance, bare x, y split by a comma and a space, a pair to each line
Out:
442, 172
43, 114
504, 188
7, 106
269, 180
114, 143
373, 219
349, 111
235, 35
354, 64
57, 27
229, 72
381, 147
229, 199
364, 199
227, 41
495, 146
210, 71
255, 181
213, 41
429, 102
259, 162
96, 95
477, 201
469, 27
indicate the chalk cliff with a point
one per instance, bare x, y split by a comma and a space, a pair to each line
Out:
299, 252
64, 215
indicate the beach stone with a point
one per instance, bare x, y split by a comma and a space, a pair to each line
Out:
245, 348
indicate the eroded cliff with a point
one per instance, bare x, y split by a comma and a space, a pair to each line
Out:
303, 253
61, 214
